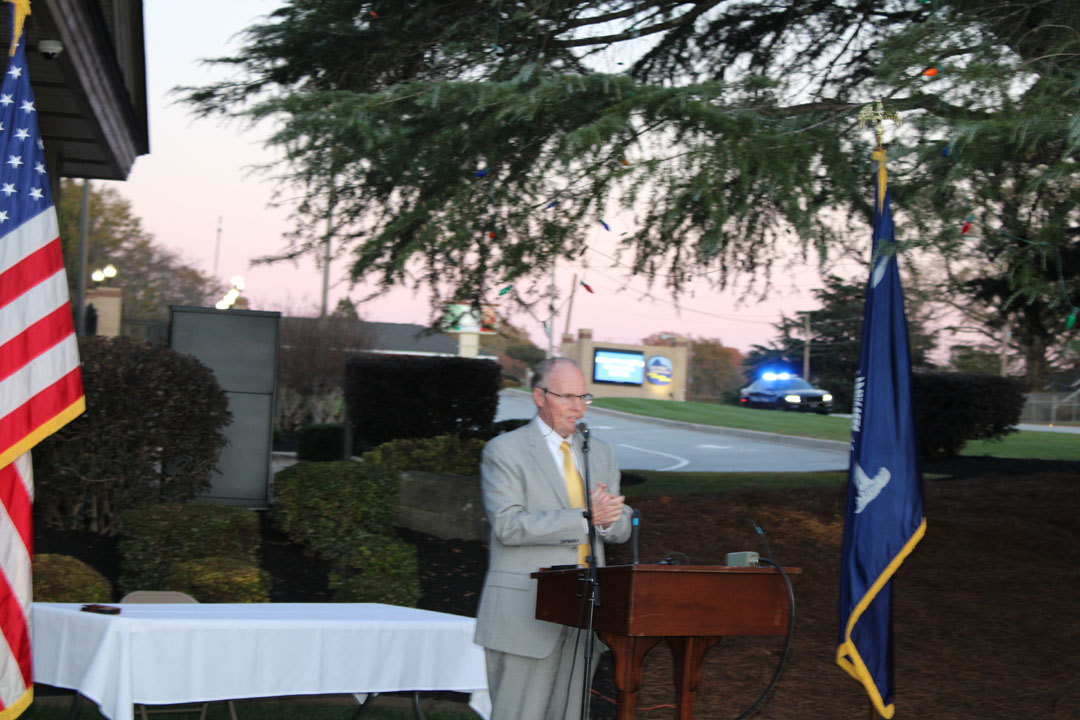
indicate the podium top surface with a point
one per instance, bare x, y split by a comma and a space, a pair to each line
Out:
669, 600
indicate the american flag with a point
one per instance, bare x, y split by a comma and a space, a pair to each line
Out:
40, 382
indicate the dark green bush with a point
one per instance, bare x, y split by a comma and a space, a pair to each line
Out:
153, 540
378, 569
321, 442
343, 512
953, 408
391, 397
151, 433
220, 580
318, 503
443, 454
62, 578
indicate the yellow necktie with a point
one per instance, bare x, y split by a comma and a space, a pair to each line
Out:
576, 490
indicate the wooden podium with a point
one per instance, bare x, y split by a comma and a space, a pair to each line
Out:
690, 606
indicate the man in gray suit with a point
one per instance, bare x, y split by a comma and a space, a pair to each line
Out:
534, 501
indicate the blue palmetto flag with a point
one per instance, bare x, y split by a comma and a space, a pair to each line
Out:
884, 519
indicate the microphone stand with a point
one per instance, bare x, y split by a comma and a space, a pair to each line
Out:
593, 580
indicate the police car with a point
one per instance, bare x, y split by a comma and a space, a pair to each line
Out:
784, 391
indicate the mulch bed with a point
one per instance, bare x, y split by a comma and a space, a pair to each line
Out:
983, 609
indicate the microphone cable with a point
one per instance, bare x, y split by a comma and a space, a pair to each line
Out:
787, 640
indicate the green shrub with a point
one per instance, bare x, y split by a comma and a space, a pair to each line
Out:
62, 578
220, 580
151, 433
443, 454
153, 540
343, 512
321, 442
377, 569
952, 408
317, 504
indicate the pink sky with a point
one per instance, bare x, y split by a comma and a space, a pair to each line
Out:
197, 172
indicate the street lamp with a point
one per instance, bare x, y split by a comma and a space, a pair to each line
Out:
102, 274
233, 294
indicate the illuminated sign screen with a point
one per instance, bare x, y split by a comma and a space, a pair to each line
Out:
621, 367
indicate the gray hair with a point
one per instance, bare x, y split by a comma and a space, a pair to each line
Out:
544, 368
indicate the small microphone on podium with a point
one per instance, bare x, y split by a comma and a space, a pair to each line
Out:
635, 518
581, 427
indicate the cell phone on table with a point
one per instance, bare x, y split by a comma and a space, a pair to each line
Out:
101, 609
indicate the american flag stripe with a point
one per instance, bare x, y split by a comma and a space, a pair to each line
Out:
16, 667
37, 375
46, 333
35, 233
47, 412
17, 499
32, 305
34, 268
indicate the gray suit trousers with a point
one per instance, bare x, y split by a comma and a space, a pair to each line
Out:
524, 688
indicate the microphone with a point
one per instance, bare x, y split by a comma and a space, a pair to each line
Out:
581, 427
635, 517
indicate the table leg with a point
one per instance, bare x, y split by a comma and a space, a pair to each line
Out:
416, 705
76, 706
687, 653
629, 655
364, 706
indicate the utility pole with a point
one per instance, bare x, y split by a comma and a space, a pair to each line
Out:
806, 344
84, 233
570, 306
550, 327
326, 250
1006, 335
217, 245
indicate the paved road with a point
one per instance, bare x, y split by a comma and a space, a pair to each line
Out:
648, 444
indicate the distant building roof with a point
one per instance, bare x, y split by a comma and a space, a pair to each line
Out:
396, 338
410, 339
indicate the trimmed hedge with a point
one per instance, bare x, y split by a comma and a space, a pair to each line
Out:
152, 432
62, 578
220, 580
321, 442
398, 396
952, 408
153, 540
316, 503
343, 512
377, 569
443, 454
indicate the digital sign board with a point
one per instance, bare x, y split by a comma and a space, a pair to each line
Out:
620, 367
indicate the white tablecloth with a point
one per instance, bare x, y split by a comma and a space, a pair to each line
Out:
161, 654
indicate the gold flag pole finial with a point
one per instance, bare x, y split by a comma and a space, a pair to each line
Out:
22, 9
877, 115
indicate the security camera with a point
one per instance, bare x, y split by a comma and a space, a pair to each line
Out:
50, 49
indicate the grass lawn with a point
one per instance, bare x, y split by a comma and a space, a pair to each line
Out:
1028, 445
696, 483
292, 708
1019, 445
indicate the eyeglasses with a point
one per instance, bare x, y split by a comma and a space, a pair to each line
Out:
587, 398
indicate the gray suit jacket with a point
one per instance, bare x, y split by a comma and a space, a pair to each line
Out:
532, 526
